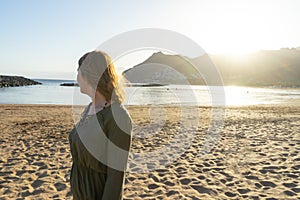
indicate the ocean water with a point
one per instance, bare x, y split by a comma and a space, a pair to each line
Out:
50, 92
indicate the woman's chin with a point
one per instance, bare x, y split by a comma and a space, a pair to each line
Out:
82, 91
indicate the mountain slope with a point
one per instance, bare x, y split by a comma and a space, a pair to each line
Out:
264, 68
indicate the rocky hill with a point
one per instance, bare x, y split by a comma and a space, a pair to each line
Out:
164, 69
264, 68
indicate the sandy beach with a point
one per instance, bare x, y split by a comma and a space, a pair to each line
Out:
256, 155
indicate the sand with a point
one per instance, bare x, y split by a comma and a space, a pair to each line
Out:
256, 155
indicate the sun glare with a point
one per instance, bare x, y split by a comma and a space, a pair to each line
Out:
228, 27
236, 96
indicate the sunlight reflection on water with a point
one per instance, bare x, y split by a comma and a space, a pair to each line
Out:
52, 93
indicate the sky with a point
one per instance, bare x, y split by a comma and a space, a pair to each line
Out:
45, 39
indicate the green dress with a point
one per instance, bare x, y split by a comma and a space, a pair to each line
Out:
103, 177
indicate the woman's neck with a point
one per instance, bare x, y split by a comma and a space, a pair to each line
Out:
98, 103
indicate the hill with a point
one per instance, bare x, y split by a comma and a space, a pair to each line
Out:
264, 68
164, 69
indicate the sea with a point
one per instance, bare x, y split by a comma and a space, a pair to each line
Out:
50, 92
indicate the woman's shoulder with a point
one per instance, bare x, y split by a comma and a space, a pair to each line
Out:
120, 111
114, 110
117, 114
86, 109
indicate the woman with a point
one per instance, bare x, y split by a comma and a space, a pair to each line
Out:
101, 140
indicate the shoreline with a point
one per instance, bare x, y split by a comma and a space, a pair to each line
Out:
293, 103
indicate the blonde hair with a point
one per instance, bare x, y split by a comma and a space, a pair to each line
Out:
99, 71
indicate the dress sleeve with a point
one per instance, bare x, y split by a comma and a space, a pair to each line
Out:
118, 146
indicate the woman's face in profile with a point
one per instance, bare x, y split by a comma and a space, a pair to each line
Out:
82, 83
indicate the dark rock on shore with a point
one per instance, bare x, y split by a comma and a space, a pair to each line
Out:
15, 81
69, 84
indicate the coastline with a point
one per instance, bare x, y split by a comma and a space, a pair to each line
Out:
256, 155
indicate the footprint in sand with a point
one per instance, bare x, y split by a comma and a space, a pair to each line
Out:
185, 181
153, 186
37, 183
268, 184
203, 190
289, 193
289, 185
172, 192
60, 186
243, 190
230, 194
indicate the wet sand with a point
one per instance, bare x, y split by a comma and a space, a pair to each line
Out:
256, 155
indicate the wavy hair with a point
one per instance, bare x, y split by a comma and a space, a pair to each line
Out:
99, 71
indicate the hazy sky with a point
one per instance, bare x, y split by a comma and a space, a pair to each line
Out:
46, 38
